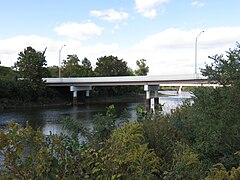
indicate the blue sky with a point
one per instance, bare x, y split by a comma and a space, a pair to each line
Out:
161, 31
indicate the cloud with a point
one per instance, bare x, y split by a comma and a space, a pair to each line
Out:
79, 31
170, 51
198, 4
110, 15
148, 8
173, 38
11, 47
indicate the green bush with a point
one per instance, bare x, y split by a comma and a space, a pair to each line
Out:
28, 154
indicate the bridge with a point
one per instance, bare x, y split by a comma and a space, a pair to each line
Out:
150, 83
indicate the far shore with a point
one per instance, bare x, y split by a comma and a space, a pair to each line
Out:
9, 104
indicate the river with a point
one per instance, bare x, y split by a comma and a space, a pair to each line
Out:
46, 118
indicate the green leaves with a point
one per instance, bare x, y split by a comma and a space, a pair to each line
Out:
143, 69
111, 66
224, 71
32, 66
126, 156
28, 154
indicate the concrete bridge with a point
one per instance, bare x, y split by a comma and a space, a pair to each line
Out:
150, 83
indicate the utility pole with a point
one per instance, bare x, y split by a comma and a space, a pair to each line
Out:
59, 66
196, 51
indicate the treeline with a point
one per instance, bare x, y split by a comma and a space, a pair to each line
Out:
105, 66
31, 66
197, 141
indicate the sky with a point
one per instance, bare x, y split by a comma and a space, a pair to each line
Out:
163, 32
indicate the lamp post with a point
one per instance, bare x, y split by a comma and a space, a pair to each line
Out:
59, 67
196, 51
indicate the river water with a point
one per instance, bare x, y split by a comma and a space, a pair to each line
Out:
46, 118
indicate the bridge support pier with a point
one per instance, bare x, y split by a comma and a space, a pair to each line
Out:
148, 89
75, 98
179, 90
156, 98
75, 89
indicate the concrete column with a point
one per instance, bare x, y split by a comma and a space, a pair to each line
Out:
156, 99
148, 100
148, 89
75, 98
75, 89
87, 93
179, 91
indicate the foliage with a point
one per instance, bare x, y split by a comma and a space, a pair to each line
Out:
125, 155
28, 154
103, 125
143, 69
6, 88
31, 66
160, 136
7, 73
53, 71
86, 68
18, 90
23, 153
178, 160
111, 66
141, 113
186, 164
225, 71
218, 171
71, 66
215, 113
210, 126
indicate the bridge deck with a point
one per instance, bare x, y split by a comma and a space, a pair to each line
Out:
128, 80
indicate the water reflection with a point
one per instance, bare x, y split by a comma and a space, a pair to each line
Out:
46, 118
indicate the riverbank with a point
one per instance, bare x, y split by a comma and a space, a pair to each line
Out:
7, 104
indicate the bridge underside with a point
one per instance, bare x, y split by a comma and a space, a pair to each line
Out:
150, 83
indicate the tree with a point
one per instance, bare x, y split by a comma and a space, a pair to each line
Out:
143, 69
71, 66
211, 125
32, 66
111, 66
86, 68
53, 71
225, 71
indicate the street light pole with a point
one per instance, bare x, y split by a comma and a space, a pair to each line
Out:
196, 51
59, 67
